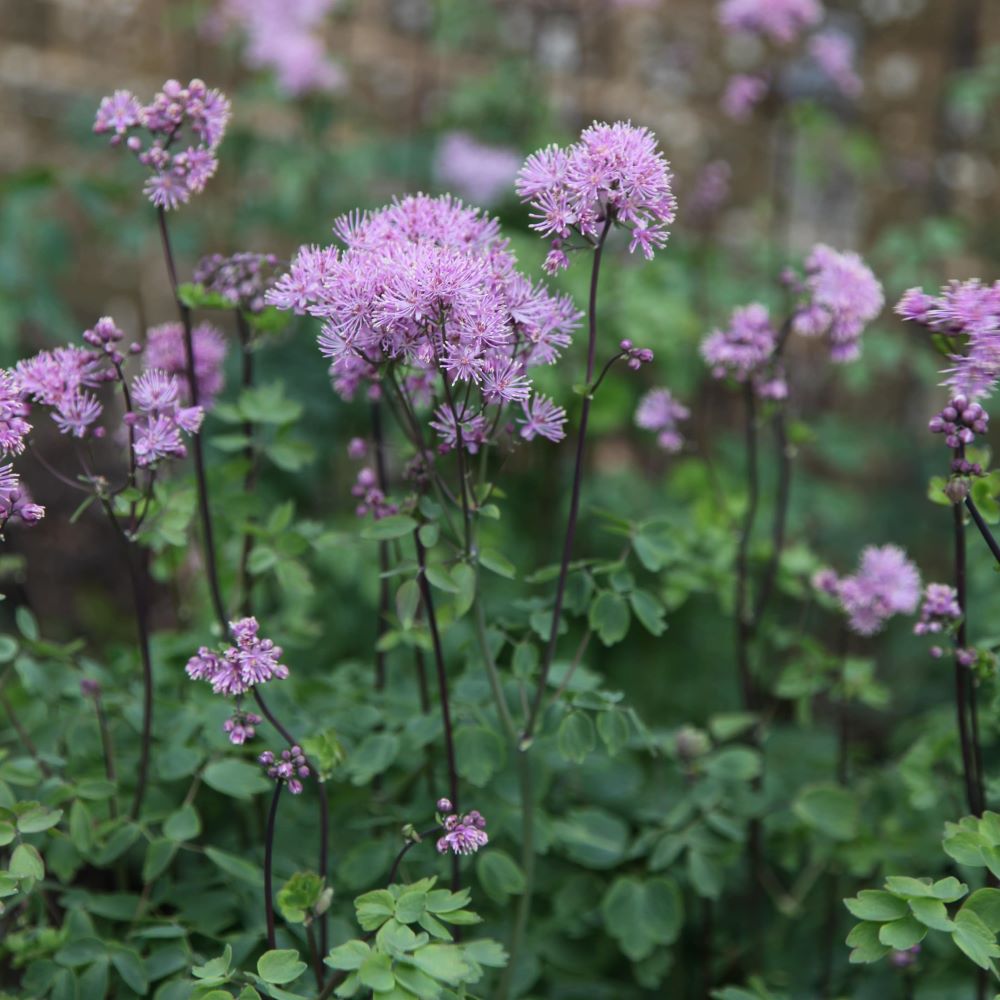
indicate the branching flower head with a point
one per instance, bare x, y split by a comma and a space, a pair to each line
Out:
745, 351
782, 21
612, 174
886, 583
841, 297
174, 136
427, 296
241, 279
289, 768
239, 668
744, 91
939, 610
15, 501
159, 419
165, 350
834, 53
463, 834
658, 411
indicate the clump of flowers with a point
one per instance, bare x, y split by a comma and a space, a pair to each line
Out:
288, 768
939, 610
371, 499
175, 136
840, 297
15, 501
242, 727
659, 412
284, 36
960, 421
165, 350
745, 351
239, 668
463, 834
833, 52
614, 174
886, 583
744, 91
968, 313
426, 296
158, 418
479, 172
242, 279
14, 427
781, 21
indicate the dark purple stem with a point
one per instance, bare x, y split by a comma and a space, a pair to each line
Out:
250, 456
382, 479
199, 458
442, 679
744, 620
574, 503
984, 530
268, 858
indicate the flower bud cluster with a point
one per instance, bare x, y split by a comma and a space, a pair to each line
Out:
289, 768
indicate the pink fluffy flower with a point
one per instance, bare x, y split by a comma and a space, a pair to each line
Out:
241, 667
886, 583
834, 53
658, 411
165, 350
744, 351
780, 20
479, 172
744, 91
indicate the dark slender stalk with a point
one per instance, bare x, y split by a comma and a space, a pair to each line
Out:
314, 954
201, 479
962, 678
983, 527
250, 456
442, 679
574, 503
780, 523
108, 750
744, 621
381, 477
268, 859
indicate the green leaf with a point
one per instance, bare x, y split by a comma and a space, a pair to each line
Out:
576, 738
486, 951
237, 867
299, 896
347, 956
80, 832
949, 889
267, 404
410, 905
876, 905
443, 962
864, 941
184, 824
649, 611
393, 526
592, 837
7, 832
26, 862
614, 729
236, 778
499, 875
130, 967
985, 903
196, 296
38, 818
376, 972
407, 602
975, 939
609, 617
280, 966
159, 854
497, 563
374, 908
829, 809
903, 885
215, 967
642, 915
739, 764
481, 752
931, 913
372, 756
903, 933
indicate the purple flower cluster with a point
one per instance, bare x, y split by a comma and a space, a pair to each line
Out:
613, 173
745, 351
960, 421
834, 53
182, 127
481, 173
782, 21
165, 350
241, 279
15, 501
239, 668
658, 411
463, 834
371, 499
968, 310
60, 379
14, 427
241, 727
939, 609
841, 296
710, 192
744, 91
284, 36
290, 767
427, 294
886, 583
159, 419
